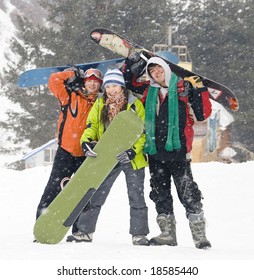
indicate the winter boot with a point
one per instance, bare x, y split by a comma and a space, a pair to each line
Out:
140, 240
197, 225
80, 236
167, 224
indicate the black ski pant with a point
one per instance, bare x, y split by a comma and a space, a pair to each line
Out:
65, 165
135, 189
161, 173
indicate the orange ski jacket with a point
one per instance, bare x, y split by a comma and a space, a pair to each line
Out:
73, 114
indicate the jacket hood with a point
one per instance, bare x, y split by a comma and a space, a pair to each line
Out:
164, 65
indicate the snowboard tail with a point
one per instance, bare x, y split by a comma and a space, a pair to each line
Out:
124, 46
54, 223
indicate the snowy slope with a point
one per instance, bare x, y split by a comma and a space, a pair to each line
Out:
9, 9
228, 205
8, 31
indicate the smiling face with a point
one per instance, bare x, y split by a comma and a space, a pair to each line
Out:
114, 90
92, 86
157, 73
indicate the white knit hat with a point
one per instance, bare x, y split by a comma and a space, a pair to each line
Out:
113, 76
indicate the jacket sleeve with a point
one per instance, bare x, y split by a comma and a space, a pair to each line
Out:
91, 131
57, 86
138, 146
200, 103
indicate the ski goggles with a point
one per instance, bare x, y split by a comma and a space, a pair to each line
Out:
93, 72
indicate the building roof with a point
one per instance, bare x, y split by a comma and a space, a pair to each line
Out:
37, 150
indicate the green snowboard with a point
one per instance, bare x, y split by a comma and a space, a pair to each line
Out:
54, 223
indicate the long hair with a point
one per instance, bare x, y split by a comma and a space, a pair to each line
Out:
105, 109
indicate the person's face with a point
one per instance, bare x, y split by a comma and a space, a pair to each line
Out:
158, 74
92, 86
113, 90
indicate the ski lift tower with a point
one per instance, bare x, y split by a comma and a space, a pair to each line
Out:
181, 51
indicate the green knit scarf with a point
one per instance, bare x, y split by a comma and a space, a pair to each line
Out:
173, 141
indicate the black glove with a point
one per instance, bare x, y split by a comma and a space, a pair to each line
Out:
138, 68
126, 156
77, 81
184, 88
137, 62
133, 55
87, 148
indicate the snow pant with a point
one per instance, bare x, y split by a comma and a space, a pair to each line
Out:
65, 165
135, 188
187, 190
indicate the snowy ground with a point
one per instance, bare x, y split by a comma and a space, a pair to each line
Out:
229, 210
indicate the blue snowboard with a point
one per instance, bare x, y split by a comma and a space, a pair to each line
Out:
40, 76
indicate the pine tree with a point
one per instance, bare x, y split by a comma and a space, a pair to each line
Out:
36, 120
219, 35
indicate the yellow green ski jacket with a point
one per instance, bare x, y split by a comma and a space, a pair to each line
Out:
95, 128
